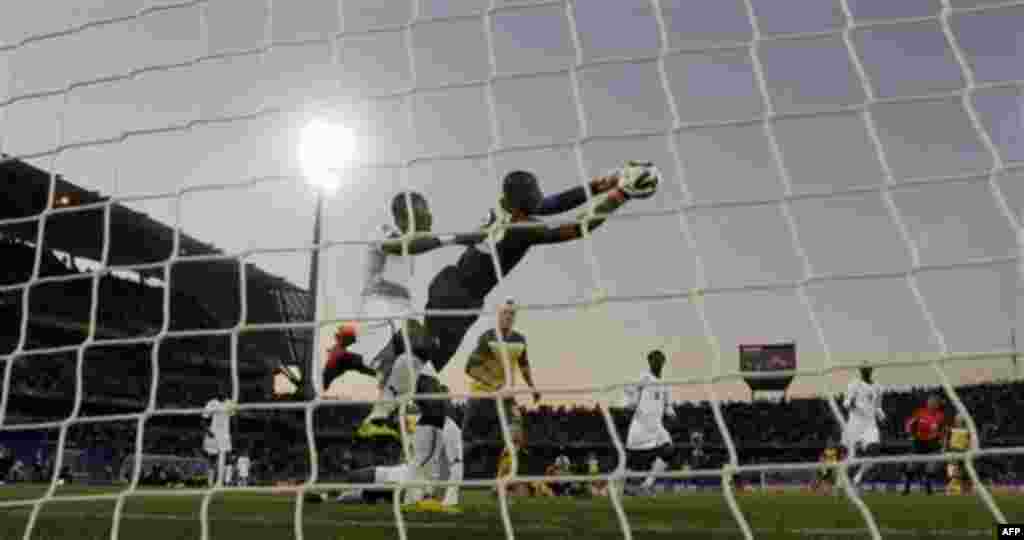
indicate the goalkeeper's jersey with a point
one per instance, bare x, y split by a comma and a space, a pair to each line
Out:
486, 368
476, 268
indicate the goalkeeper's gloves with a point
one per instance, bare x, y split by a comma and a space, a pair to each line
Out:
638, 179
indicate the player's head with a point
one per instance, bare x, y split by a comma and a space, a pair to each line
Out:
520, 193
656, 361
507, 315
346, 334
865, 373
960, 421
411, 204
934, 402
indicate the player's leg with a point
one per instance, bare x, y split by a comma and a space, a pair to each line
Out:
933, 469
663, 456
427, 442
478, 419
447, 293
870, 449
452, 436
396, 382
911, 471
637, 460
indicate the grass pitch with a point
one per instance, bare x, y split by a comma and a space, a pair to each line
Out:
250, 516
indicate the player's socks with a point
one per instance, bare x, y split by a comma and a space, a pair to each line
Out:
426, 448
659, 466
861, 473
451, 493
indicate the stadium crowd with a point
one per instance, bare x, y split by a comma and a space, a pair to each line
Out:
765, 432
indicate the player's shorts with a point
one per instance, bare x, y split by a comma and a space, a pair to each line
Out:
641, 460
402, 376
395, 474
216, 445
645, 436
481, 418
861, 432
447, 292
452, 440
374, 335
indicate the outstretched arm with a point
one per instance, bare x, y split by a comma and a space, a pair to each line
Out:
574, 197
422, 244
572, 231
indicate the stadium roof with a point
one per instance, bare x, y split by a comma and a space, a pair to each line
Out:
136, 238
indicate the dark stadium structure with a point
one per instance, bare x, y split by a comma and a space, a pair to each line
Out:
205, 294
118, 368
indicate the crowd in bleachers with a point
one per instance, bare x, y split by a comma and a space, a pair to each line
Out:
792, 430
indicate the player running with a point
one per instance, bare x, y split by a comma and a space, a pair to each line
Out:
648, 444
217, 441
863, 404
386, 297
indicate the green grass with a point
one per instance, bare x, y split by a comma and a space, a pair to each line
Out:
246, 516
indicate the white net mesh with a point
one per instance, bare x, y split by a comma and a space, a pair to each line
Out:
892, 129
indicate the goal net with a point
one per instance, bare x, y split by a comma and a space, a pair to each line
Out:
842, 174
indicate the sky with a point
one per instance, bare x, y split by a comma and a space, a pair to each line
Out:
943, 207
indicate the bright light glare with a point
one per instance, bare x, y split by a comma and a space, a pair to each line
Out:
325, 149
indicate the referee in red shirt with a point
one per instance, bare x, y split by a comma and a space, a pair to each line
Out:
926, 427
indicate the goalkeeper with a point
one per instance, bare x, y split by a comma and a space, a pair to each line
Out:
465, 285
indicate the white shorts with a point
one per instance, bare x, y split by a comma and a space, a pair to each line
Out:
861, 431
452, 437
217, 445
374, 335
386, 475
646, 436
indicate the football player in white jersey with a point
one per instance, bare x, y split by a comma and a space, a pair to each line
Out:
863, 404
217, 441
386, 297
648, 444
243, 464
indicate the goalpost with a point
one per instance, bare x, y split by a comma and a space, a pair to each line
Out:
868, 104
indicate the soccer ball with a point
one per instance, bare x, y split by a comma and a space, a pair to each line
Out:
639, 179
231, 407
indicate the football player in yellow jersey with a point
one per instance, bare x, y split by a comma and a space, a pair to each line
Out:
826, 477
959, 440
486, 371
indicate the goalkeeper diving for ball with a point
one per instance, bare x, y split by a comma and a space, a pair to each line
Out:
464, 286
